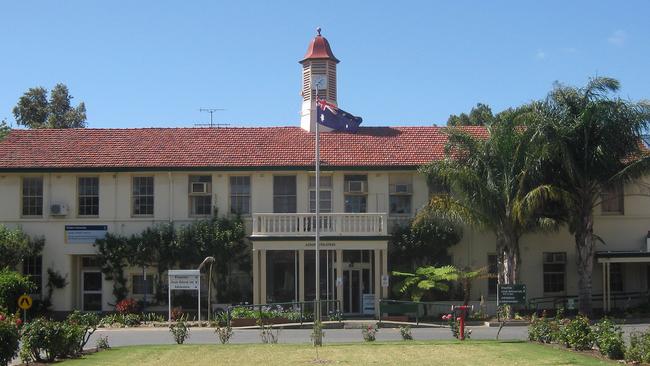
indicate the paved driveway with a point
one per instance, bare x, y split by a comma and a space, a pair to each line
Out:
140, 336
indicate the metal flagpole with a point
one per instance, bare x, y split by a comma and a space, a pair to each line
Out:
317, 241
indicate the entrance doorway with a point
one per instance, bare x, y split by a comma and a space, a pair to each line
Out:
352, 290
91, 285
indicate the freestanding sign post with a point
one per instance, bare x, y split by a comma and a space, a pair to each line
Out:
184, 279
511, 295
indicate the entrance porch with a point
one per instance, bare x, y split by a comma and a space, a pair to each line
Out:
351, 272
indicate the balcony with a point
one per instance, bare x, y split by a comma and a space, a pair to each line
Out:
332, 224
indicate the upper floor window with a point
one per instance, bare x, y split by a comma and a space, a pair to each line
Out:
612, 199
240, 195
200, 191
554, 271
33, 269
401, 193
325, 203
142, 196
32, 196
356, 193
437, 188
88, 196
284, 193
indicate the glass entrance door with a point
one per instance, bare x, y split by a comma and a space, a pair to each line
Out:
91, 285
352, 289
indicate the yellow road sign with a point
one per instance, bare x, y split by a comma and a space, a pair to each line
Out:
25, 302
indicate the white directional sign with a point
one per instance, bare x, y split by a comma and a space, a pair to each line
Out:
184, 279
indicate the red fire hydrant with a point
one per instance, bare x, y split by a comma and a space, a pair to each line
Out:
461, 325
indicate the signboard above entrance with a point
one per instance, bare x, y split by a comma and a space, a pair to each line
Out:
84, 234
511, 294
184, 279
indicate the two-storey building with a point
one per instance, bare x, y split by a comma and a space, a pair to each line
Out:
73, 186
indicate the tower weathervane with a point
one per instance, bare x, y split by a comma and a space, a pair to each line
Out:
318, 30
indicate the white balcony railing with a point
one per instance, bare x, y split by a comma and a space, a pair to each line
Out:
332, 224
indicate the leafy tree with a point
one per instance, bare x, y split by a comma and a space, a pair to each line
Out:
425, 279
479, 116
489, 178
35, 110
4, 129
12, 286
424, 241
588, 139
15, 246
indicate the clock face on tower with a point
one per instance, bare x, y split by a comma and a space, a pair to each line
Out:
318, 82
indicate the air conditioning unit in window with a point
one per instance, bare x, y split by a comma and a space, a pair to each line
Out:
58, 209
199, 188
355, 186
401, 188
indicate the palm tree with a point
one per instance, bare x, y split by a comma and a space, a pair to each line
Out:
588, 139
489, 177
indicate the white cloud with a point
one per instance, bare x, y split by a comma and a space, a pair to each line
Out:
617, 38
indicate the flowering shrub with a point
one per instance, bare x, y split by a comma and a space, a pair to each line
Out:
609, 339
639, 349
266, 312
9, 338
454, 326
127, 306
177, 314
369, 333
180, 331
47, 340
577, 334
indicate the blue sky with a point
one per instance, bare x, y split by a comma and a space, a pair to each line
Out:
145, 64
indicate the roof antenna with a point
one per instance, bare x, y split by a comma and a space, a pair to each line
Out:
212, 124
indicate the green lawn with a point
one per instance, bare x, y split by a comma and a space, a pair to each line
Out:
481, 353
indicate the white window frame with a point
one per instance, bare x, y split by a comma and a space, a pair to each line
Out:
23, 196
237, 195
323, 188
80, 196
152, 195
191, 196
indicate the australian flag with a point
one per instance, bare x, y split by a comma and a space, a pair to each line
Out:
329, 115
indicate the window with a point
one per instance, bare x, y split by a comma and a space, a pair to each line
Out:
437, 188
142, 196
33, 196
493, 271
554, 271
240, 195
612, 199
616, 277
142, 287
325, 193
284, 194
356, 193
33, 269
401, 191
200, 190
88, 196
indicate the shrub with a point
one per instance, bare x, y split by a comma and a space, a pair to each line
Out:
577, 334
317, 334
127, 306
177, 314
102, 343
609, 339
369, 333
268, 334
180, 331
224, 332
454, 326
43, 337
9, 338
12, 286
88, 322
405, 331
544, 330
639, 348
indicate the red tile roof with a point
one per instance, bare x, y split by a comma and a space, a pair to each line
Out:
225, 148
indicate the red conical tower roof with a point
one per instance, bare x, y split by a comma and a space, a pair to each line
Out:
319, 48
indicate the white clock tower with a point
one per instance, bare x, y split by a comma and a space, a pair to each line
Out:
318, 73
